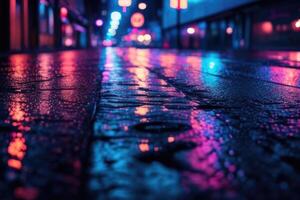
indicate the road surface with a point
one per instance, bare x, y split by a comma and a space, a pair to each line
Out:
126, 123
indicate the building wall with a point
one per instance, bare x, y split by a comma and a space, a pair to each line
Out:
199, 9
272, 25
38, 24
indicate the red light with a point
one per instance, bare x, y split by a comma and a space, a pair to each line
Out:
267, 27
63, 12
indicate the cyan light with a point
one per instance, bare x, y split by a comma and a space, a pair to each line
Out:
116, 16
114, 23
114, 27
111, 32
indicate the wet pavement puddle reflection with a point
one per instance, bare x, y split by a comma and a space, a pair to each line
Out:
202, 126
126, 123
45, 99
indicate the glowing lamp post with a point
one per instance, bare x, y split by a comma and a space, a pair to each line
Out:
178, 5
124, 4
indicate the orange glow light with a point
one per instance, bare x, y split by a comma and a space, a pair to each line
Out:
141, 110
16, 164
144, 147
17, 148
137, 20
179, 4
124, 3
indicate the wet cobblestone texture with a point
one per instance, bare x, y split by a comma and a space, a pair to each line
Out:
47, 101
196, 126
150, 124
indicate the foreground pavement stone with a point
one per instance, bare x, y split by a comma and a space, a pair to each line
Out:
186, 125
46, 106
150, 124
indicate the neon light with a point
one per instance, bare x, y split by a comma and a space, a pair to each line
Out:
99, 22
63, 12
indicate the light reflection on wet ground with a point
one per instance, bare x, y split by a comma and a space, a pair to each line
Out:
168, 125
193, 125
45, 101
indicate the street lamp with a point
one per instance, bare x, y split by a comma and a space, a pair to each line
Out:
178, 5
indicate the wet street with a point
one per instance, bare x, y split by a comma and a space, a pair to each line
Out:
126, 123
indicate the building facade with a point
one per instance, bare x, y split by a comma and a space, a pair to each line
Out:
234, 24
42, 24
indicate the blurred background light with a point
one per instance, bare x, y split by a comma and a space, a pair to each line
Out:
267, 27
107, 43
63, 12
111, 32
137, 20
114, 23
99, 22
142, 6
179, 4
141, 38
147, 37
229, 30
116, 16
124, 4
297, 23
191, 30
68, 42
